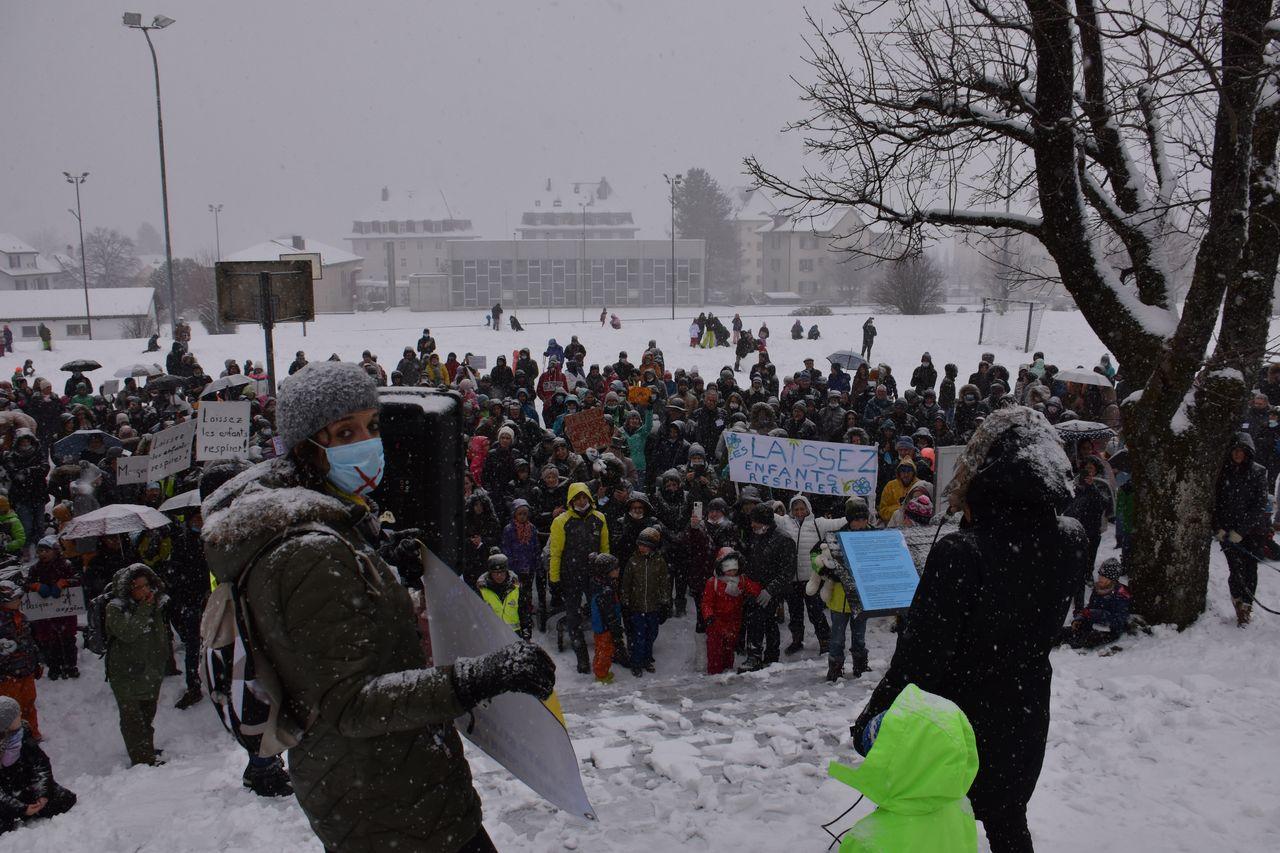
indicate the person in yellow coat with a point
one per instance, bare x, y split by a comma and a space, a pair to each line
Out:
896, 489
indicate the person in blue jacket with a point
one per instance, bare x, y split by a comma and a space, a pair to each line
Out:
1106, 617
554, 350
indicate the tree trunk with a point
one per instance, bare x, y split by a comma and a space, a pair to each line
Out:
1169, 561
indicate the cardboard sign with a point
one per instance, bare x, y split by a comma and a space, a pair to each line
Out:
587, 429
171, 450
132, 469
69, 603
224, 431
944, 462
882, 569
816, 467
479, 362
525, 736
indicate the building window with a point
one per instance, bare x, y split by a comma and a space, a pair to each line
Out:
402, 259
419, 245
439, 245
808, 288
77, 330
19, 285
15, 262
806, 265
775, 265
30, 331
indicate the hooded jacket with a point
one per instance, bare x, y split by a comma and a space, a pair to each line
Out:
137, 636
381, 765
575, 537
806, 534
923, 761
770, 560
1241, 502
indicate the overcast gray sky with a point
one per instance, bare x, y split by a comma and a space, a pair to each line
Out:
293, 115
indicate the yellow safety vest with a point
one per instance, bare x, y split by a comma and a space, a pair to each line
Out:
508, 608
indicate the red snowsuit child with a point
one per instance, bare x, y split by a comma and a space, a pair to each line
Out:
722, 609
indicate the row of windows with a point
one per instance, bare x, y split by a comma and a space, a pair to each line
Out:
380, 246
73, 330
572, 218
543, 283
40, 283
411, 226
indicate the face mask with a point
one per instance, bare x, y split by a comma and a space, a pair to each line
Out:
356, 468
731, 584
968, 398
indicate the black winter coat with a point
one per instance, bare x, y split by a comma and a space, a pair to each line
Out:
24, 781
771, 560
1241, 503
923, 377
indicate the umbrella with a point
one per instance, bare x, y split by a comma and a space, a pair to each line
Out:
165, 382
234, 381
80, 365
847, 358
182, 501
139, 369
1083, 430
116, 518
75, 443
1081, 376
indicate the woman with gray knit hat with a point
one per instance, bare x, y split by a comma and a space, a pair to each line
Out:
379, 764
27, 789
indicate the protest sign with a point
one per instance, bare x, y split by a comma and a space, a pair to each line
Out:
171, 450
587, 429
882, 569
478, 362
525, 736
816, 467
132, 469
69, 603
944, 462
224, 431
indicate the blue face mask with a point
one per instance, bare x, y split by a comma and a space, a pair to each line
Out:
356, 468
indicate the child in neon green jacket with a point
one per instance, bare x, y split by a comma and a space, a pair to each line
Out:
918, 770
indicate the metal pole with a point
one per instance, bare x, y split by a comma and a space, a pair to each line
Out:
164, 188
1031, 308
84, 268
673, 250
982, 319
267, 312
582, 292
215, 209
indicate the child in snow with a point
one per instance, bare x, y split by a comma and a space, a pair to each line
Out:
500, 589
722, 600
50, 577
614, 322
921, 758
606, 614
833, 594
1106, 617
646, 593
694, 334
27, 789
19, 656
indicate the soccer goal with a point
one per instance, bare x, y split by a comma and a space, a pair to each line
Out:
1013, 322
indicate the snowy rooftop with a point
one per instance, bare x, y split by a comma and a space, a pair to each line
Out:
599, 195
59, 304
827, 222
415, 206
12, 245
751, 204
273, 249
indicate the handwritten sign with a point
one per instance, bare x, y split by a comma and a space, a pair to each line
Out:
816, 467
224, 431
133, 469
69, 603
882, 569
171, 450
587, 429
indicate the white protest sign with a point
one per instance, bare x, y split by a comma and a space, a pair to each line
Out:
224, 431
944, 462
793, 464
171, 450
69, 603
132, 469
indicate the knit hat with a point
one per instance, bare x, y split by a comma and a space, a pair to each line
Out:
905, 443
48, 542
920, 509
507, 431
762, 514
9, 711
855, 508
650, 536
1111, 569
319, 394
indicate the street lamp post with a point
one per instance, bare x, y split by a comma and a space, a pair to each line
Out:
584, 292
84, 268
215, 209
674, 183
133, 20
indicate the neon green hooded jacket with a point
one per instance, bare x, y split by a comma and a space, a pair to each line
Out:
917, 773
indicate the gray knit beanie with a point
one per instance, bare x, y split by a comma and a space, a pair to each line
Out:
9, 711
319, 394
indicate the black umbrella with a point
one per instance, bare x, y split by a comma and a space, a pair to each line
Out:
165, 382
80, 365
75, 443
847, 358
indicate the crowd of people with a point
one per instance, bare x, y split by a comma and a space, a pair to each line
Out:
617, 537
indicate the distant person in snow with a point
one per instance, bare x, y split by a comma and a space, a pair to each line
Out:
990, 605
496, 313
868, 337
797, 330
514, 322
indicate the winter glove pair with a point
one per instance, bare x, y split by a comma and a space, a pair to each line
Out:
49, 591
518, 668
1234, 538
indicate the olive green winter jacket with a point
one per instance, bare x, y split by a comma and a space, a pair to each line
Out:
380, 766
137, 637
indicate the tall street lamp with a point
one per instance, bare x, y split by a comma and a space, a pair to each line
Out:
215, 209
84, 269
674, 183
133, 20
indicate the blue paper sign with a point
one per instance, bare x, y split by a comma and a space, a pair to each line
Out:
882, 569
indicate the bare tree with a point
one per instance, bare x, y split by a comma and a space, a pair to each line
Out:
911, 286
1132, 127
110, 258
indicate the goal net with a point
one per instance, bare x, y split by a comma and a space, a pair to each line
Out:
1012, 322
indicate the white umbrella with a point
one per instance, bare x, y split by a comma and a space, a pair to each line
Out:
182, 501
116, 518
1083, 377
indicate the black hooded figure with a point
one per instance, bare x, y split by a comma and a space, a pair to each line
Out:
991, 601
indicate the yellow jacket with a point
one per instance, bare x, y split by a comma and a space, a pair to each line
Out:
891, 497
574, 536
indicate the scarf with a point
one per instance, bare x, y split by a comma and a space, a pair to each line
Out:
12, 748
524, 532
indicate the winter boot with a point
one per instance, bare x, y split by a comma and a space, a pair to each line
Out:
637, 671
822, 647
859, 664
191, 697
584, 660
796, 646
751, 664
835, 668
1244, 611
268, 780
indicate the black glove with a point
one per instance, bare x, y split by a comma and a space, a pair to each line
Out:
402, 546
518, 668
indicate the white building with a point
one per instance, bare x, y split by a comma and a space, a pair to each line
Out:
577, 210
23, 268
118, 312
335, 291
752, 211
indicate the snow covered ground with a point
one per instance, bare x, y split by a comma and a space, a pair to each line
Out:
1169, 745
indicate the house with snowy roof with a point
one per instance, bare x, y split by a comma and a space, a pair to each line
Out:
811, 254
117, 312
24, 268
